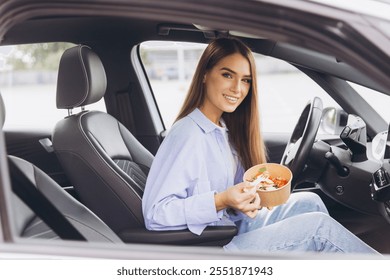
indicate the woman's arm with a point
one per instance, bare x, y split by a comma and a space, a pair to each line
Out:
178, 193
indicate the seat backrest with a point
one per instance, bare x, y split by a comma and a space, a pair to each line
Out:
105, 163
29, 225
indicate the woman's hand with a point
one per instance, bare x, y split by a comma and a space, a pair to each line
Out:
242, 197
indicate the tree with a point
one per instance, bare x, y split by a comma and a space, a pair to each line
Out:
45, 56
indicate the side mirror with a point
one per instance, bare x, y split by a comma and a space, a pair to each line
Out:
333, 120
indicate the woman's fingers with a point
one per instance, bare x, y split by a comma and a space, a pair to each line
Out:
244, 198
249, 189
250, 193
253, 207
251, 214
257, 201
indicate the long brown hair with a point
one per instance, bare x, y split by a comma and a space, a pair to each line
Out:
244, 122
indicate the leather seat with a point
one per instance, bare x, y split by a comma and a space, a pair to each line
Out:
105, 163
103, 160
29, 225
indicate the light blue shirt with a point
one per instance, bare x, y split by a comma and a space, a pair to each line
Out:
192, 164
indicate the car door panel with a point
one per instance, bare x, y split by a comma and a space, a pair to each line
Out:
26, 145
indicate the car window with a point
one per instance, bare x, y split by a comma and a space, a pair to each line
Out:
376, 99
283, 93
28, 80
283, 89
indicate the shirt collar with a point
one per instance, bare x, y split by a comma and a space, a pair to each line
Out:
204, 123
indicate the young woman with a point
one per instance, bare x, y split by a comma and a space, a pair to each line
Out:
196, 177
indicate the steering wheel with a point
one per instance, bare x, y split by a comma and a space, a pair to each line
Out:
302, 139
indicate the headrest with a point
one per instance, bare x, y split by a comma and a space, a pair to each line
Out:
81, 78
2, 112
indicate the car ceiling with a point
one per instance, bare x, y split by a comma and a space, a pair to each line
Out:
91, 30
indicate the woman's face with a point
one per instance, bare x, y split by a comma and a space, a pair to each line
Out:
226, 85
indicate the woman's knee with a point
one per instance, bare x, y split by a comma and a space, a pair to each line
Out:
314, 221
310, 201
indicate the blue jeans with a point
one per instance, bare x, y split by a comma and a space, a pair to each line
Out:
300, 225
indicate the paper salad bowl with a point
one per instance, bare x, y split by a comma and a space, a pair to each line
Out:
271, 198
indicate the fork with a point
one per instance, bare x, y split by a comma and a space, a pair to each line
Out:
261, 177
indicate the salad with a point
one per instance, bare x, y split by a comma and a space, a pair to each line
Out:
264, 181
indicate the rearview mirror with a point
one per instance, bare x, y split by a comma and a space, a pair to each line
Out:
333, 120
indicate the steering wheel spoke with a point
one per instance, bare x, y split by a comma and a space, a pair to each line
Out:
291, 152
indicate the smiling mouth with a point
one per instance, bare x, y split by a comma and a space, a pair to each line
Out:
230, 98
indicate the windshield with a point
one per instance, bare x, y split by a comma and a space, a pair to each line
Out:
379, 101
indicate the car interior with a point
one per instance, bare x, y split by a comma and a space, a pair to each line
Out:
93, 165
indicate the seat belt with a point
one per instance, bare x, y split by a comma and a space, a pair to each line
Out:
39, 204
